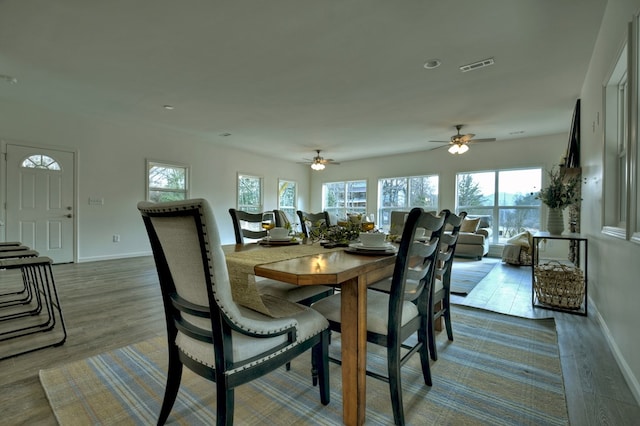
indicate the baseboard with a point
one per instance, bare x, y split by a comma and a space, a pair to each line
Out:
114, 256
631, 380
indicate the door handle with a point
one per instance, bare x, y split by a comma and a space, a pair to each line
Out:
69, 215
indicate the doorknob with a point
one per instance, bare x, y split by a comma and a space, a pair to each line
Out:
69, 215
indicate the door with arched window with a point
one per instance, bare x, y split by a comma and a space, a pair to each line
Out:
40, 200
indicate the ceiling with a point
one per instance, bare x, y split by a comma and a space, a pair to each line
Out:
343, 76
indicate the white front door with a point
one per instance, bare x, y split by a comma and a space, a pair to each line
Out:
40, 200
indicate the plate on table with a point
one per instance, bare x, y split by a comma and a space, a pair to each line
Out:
279, 241
357, 248
360, 246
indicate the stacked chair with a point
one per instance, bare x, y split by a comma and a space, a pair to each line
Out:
29, 303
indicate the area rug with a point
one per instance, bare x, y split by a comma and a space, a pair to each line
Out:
500, 370
467, 273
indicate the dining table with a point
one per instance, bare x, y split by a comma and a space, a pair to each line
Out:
352, 273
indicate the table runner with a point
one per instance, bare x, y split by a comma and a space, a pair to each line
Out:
243, 280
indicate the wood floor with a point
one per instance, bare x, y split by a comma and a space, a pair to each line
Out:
110, 304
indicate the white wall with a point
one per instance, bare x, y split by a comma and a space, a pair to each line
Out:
111, 159
613, 263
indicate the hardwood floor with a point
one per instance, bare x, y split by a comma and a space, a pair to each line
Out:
110, 304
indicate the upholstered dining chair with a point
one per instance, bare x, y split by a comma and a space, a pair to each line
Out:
440, 306
207, 331
305, 295
393, 317
309, 221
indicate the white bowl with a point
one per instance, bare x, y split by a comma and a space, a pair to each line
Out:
372, 239
279, 233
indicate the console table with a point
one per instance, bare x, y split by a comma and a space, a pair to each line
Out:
574, 269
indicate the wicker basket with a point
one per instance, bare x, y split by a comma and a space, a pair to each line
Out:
559, 285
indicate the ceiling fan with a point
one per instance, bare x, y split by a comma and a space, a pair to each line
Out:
459, 141
318, 162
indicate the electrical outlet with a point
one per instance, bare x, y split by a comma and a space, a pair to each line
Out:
116, 238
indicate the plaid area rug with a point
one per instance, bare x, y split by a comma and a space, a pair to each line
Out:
467, 273
500, 370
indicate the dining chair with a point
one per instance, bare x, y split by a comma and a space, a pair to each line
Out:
207, 332
247, 225
440, 306
305, 295
393, 317
310, 221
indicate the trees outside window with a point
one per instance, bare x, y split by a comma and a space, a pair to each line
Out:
167, 182
249, 193
507, 196
340, 198
405, 193
288, 198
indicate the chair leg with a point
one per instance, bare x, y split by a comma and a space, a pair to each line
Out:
225, 404
395, 386
320, 366
431, 333
174, 376
447, 316
426, 368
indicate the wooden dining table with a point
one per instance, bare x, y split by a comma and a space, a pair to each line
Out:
352, 273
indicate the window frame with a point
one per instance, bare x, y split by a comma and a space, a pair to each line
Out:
620, 124
341, 211
290, 211
494, 210
150, 163
253, 208
384, 212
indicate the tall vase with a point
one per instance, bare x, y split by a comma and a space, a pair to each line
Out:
555, 221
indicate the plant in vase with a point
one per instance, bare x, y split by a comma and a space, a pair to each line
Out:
560, 193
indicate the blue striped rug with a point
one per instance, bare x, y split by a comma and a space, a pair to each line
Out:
500, 370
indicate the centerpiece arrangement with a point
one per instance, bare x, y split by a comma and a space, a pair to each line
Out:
340, 235
562, 191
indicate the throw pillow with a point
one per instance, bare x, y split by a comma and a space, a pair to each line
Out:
470, 225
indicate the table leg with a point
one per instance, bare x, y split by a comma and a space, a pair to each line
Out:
354, 350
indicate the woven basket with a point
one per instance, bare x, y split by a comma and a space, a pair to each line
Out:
559, 285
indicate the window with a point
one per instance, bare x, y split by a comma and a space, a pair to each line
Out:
39, 161
616, 141
506, 196
405, 193
288, 198
167, 182
340, 198
249, 193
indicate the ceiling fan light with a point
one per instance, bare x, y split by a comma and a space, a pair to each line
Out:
453, 149
463, 148
317, 166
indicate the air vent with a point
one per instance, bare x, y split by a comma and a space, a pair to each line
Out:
477, 65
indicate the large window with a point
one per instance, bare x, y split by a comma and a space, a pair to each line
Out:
340, 198
288, 198
616, 147
249, 193
405, 193
167, 182
506, 196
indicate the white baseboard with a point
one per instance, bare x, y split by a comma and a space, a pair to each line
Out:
629, 377
114, 256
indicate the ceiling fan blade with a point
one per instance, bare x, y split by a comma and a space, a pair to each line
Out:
484, 140
440, 141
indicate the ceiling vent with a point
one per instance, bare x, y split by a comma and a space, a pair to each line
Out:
477, 65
